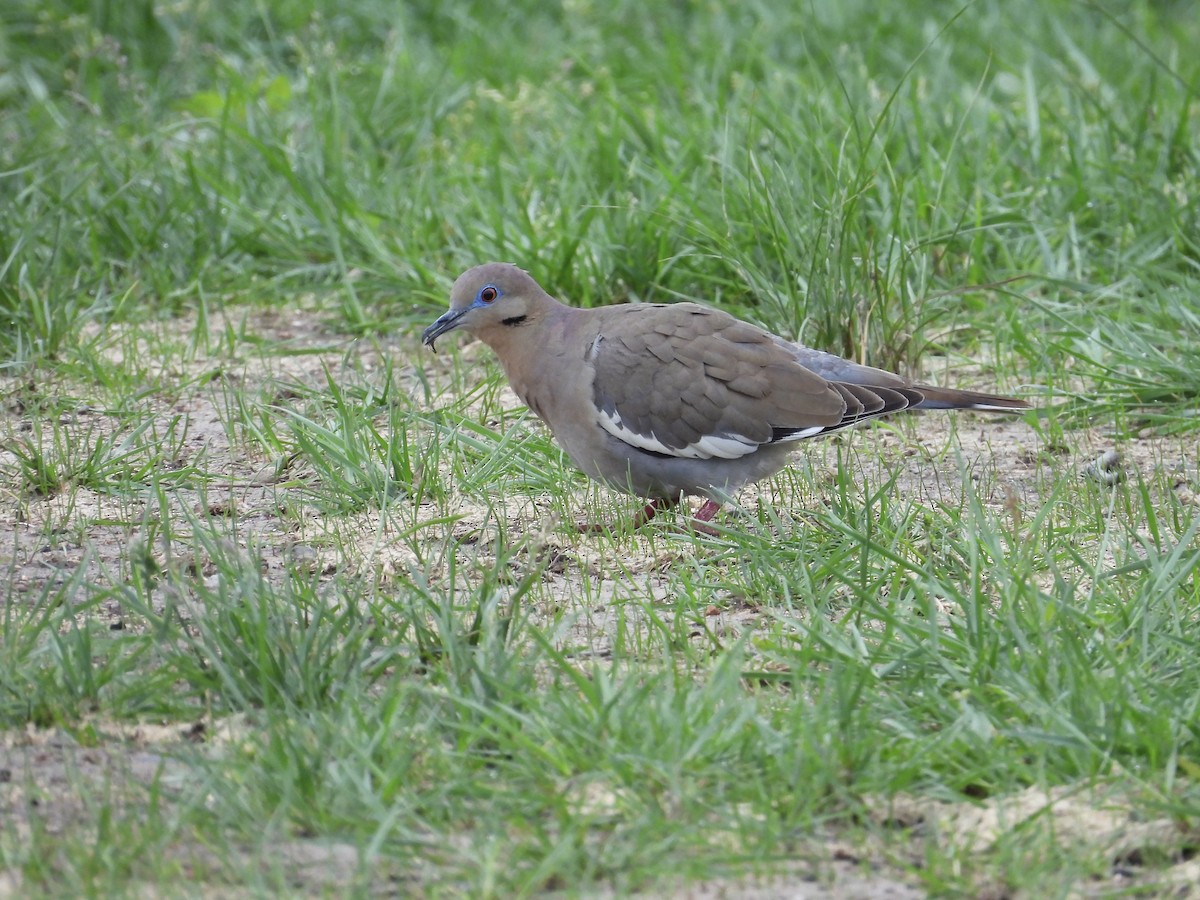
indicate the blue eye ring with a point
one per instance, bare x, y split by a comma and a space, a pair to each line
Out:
487, 294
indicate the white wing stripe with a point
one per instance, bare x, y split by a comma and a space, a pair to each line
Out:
810, 431
723, 446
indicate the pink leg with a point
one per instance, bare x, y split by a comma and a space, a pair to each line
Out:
653, 508
704, 515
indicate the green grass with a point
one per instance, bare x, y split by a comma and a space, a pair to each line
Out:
292, 606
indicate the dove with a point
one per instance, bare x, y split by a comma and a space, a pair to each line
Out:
670, 400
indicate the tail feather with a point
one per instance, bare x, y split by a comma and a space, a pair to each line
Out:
950, 398
835, 369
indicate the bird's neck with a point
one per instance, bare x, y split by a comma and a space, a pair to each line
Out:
536, 354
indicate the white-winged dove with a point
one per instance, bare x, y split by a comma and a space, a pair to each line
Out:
669, 400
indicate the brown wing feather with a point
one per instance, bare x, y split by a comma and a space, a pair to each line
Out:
684, 372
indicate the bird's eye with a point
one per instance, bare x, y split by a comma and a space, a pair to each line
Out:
488, 294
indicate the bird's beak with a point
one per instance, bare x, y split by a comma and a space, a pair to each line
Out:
448, 321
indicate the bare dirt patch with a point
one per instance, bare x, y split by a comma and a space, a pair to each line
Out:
1107, 823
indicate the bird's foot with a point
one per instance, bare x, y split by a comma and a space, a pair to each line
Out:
699, 522
653, 508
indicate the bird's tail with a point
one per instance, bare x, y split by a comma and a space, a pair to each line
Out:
949, 398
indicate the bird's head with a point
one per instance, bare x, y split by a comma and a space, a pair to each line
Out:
487, 299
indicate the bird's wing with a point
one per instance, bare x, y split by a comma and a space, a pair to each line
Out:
685, 380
